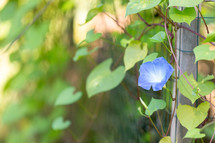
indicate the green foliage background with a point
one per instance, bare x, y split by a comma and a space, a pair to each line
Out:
44, 65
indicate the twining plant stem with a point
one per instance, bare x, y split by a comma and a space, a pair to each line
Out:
167, 48
212, 136
206, 26
160, 122
180, 26
146, 107
171, 48
116, 21
155, 127
143, 103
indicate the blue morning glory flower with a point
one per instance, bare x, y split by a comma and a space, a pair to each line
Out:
155, 74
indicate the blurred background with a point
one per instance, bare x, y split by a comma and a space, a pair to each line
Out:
39, 40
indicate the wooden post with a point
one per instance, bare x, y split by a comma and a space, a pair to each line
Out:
185, 43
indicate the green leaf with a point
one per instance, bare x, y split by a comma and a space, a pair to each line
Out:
135, 6
205, 88
203, 52
166, 139
102, 79
210, 38
209, 77
82, 52
194, 133
184, 3
93, 12
191, 117
159, 37
67, 96
150, 57
35, 36
13, 113
187, 15
124, 42
8, 11
134, 53
91, 36
185, 89
154, 105
59, 124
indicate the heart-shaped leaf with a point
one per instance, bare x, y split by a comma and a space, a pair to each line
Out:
150, 57
203, 52
159, 37
91, 36
166, 139
154, 105
67, 96
185, 88
210, 37
209, 77
191, 117
82, 52
134, 53
187, 15
194, 133
135, 6
59, 124
102, 79
93, 12
205, 88
184, 3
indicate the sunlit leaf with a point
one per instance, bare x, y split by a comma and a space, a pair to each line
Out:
166, 139
185, 88
68, 5
194, 133
187, 15
150, 57
210, 37
203, 52
124, 42
93, 12
209, 77
159, 37
67, 96
184, 3
59, 124
154, 105
91, 36
190, 117
82, 52
102, 79
205, 88
134, 53
135, 6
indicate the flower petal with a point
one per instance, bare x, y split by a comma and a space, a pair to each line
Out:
155, 74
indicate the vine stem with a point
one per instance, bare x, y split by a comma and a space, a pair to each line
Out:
206, 26
155, 126
212, 136
116, 21
146, 107
181, 26
160, 123
171, 48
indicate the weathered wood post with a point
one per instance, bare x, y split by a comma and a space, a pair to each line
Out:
185, 43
